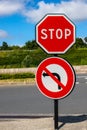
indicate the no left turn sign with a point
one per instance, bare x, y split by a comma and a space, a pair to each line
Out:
55, 78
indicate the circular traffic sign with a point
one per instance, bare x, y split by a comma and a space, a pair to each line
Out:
55, 33
55, 78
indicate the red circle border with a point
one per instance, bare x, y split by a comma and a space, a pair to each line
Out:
70, 75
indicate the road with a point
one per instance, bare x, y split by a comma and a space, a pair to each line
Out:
24, 100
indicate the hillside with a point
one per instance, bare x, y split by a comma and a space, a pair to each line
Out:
32, 58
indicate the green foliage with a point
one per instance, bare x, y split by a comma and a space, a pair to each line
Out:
14, 47
76, 56
4, 46
17, 76
27, 61
19, 57
12, 58
79, 43
26, 58
30, 45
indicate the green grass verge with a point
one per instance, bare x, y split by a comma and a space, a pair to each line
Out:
17, 76
27, 81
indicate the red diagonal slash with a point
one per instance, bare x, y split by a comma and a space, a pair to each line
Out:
54, 78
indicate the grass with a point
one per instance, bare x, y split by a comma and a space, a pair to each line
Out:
17, 76
27, 81
76, 56
14, 59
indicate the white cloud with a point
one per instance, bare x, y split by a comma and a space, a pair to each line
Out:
74, 9
8, 7
3, 34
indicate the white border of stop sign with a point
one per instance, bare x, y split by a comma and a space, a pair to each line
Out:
58, 33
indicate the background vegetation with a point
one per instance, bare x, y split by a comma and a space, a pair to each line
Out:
30, 55
17, 76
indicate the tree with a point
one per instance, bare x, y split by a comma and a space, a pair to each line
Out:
14, 47
35, 45
4, 46
79, 43
31, 45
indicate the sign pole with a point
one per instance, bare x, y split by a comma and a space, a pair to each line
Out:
56, 114
55, 110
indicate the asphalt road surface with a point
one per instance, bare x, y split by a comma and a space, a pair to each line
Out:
28, 100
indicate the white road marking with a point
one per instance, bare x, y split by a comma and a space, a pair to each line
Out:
82, 77
77, 82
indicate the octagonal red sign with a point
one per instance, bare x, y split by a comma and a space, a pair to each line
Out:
55, 33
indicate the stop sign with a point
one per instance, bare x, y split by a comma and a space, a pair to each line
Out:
55, 33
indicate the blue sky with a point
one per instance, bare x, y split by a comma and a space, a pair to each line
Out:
19, 17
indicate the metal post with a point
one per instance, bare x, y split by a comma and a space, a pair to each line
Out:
56, 114
55, 110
